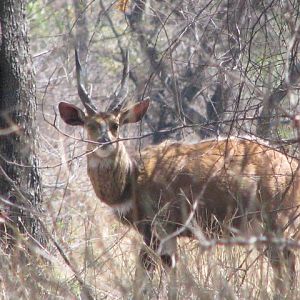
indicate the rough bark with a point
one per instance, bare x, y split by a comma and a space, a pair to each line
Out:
19, 176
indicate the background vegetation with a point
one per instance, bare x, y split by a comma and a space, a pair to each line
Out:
211, 68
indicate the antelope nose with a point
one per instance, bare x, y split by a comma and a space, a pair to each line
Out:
103, 139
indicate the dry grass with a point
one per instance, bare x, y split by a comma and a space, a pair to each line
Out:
104, 254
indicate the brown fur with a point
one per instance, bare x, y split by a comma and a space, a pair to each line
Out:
226, 186
229, 178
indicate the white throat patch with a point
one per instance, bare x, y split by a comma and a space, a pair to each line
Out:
95, 162
102, 153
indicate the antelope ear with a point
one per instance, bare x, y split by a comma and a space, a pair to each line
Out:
134, 113
71, 114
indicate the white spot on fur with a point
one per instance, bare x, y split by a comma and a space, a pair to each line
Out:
173, 259
123, 208
168, 247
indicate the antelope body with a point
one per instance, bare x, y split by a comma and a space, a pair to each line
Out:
220, 185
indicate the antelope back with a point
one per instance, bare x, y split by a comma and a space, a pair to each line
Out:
226, 178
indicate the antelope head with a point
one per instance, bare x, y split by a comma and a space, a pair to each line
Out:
102, 127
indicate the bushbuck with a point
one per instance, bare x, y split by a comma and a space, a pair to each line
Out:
222, 186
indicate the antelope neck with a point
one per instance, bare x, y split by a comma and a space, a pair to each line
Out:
112, 179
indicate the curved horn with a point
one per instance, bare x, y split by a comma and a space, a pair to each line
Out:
83, 94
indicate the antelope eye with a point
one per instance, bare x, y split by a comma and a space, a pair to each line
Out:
114, 126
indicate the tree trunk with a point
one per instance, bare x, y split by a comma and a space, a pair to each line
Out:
19, 176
